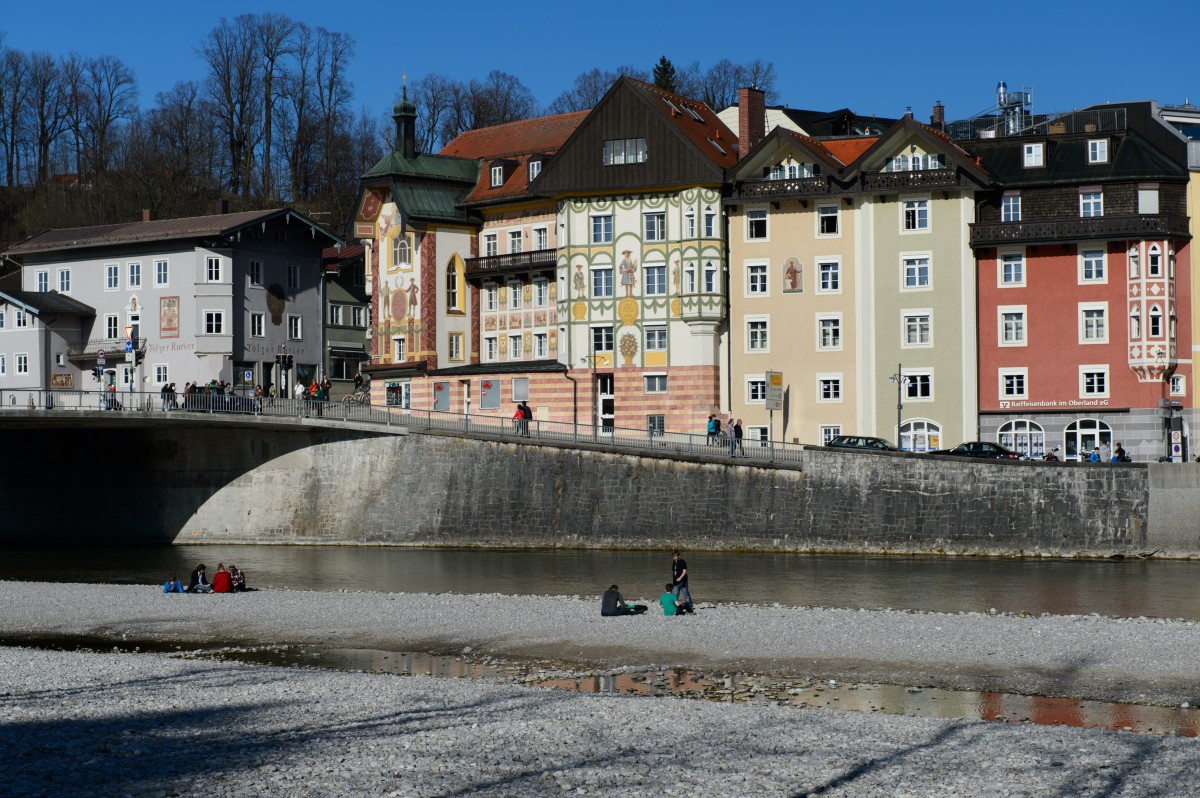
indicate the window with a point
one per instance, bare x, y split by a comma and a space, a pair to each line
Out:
602, 339
514, 241
756, 278
655, 383
360, 316
829, 275
133, 275
689, 278
43, 282
497, 176
1091, 203
656, 338
1092, 326
915, 214
1010, 208
1178, 385
1147, 199
689, 223
1, 319
294, 328
1013, 382
1012, 326
160, 273
756, 225
756, 335
20, 319
160, 374
602, 281
489, 348
64, 281
655, 279
827, 220
1098, 151
1153, 261
828, 432
516, 296
602, 229
491, 298
535, 169
452, 287
1023, 436
491, 247
710, 277
111, 327
917, 329
618, 152
918, 385
256, 272
293, 277
214, 322
112, 277
399, 350
541, 238
213, 270
1093, 381
710, 223
456, 346
1154, 322
257, 326
829, 389
916, 272
1034, 155
541, 348
336, 313
3, 366
1135, 323
1092, 266
22, 364
541, 293
829, 332
1134, 261
756, 389
655, 226
1012, 269
656, 424
401, 251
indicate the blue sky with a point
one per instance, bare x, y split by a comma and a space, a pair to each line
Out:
873, 57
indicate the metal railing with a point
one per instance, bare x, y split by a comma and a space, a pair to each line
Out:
1078, 229
214, 405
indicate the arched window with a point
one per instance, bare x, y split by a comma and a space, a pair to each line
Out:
1024, 436
1154, 327
710, 277
917, 163
689, 223
455, 288
1135, 323
401, 253
920, 436
1134, 258
793, 170
1154, 261
1084, 435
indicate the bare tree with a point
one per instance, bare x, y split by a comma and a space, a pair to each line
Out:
498, 98
432, 95
299, 120
14, 78
333, 96
589, 87
75, 88
234, 87
110, 96
273, 33
761, 75
46, 104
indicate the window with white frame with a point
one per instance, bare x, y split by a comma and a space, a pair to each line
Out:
829, 387
1014, 383
214, 322
756, 279
1091, 204
827, 220
515, 241
541, 238
656, 338
618, 152
64, 281
516, 296
828, 432
655, 383
689, 223
3, 366
1, 319
1093, 323
756, 390
20, 318
294, 327
293, 277
360, 316
1010, 208
1092, 266
490, 349
1154, 325
112, 327
535, 169
212, 270
112, 276
829, 277
491, 297
1012, 269
654, 226
43, 282
455, 341
161, 272
133, 274
1178, 385
401, 250
541, 292
918, 385
1093, 382
1134, 258
915, 272
756, 335
1035, 155
756, 224
1147, 199
602, 280
918, 328
497, 176
1024, 436
710, 277
1135, 323
256, 273
160, 374
829, 332
1098, 151
602, 229
336, 315
602, 339
399, 350
1012, 325
710, 222
22, 363
258, 327
915, 215
656, 424
1154, 261
654, 279
491, 246
541, 347
689, 278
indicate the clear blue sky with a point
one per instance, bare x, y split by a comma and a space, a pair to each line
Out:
874, 57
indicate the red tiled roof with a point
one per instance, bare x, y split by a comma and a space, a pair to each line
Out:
525, 137
702, 132
848, 150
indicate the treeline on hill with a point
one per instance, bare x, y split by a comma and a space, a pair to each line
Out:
272, 122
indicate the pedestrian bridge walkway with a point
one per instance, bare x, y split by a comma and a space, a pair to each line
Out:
150, 408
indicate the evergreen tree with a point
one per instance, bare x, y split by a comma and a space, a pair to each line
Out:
664, 74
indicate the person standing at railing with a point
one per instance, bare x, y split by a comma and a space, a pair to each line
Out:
519, 419
163, 394
737, 437
527, 416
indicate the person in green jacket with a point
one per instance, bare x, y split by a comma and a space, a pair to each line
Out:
668, 602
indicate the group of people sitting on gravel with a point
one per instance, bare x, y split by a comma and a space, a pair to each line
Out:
675, 600
225, 580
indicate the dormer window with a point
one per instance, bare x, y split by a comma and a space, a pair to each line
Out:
1035, 155
497, 176
1098, 151
535, 169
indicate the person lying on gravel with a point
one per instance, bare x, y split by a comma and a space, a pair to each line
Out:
612, 604
173, 585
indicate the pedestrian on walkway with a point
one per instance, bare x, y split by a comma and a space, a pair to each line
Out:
737, 437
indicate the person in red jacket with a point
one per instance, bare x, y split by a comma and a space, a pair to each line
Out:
221, 581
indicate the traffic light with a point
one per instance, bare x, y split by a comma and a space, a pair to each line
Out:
290, 360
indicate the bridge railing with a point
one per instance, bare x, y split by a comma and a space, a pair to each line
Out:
622, 438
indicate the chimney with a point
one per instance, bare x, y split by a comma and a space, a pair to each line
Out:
752, 118
149, 215
938, 119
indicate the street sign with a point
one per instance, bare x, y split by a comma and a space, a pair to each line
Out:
129, 346
774, 390
100, 358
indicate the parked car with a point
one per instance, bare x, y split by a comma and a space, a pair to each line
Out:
861, 442
982, 450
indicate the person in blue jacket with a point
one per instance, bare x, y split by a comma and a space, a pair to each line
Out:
173, 585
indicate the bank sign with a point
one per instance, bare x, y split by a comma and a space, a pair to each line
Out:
1051, 404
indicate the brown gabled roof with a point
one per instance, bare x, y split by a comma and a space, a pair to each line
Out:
525, 137
708, 133
158, 230
832, 156
847, 151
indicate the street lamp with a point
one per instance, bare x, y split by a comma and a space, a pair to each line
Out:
901, 380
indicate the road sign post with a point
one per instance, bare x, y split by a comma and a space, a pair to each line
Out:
774, 402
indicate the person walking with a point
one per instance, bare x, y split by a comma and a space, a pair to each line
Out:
518, 419
527, 417
679, 583
737, 437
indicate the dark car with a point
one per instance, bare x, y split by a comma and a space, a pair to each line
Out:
861, 442
980, 449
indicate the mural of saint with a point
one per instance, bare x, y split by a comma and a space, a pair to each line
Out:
168, 317
412, 295
793, 275
628, 271
579, 281
675, 274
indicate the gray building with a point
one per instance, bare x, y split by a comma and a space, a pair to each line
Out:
347, 315
196, 299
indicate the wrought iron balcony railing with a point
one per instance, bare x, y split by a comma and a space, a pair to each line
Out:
1079, 229
513, 262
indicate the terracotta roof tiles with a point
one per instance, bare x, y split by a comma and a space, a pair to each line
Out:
525, 137
704, 129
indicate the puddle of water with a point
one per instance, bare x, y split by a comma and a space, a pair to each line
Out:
728, 688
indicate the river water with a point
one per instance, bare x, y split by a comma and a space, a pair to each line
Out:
1128, 588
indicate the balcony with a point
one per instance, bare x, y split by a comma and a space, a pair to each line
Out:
781, 189
918, 179
535, 260
1052, 231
